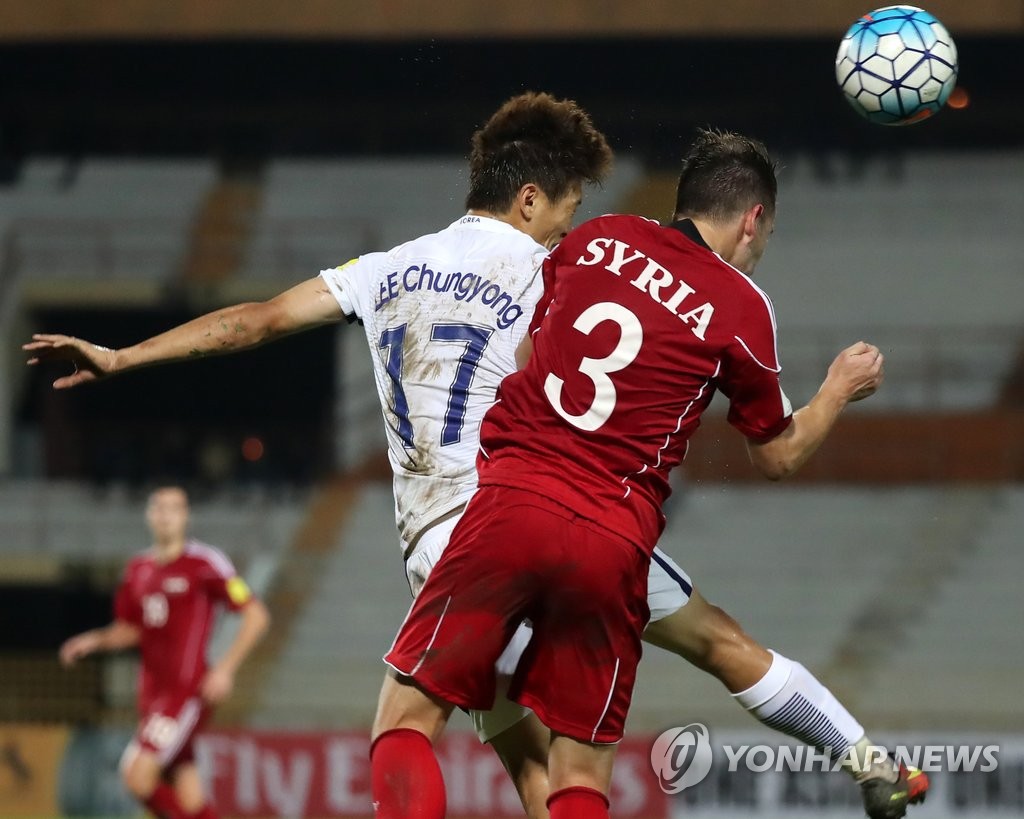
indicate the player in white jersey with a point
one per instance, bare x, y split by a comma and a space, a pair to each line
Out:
442, 316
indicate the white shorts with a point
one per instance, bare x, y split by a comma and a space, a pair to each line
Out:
668, 586
668, 590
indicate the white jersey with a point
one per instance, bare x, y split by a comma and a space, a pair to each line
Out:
443, 315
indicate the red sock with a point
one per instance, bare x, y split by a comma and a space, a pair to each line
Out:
405, 778
163, 803
205, 812
578, 803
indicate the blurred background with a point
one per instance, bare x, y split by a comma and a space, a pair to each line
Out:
160, 159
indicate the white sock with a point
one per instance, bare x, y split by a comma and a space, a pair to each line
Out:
789, 699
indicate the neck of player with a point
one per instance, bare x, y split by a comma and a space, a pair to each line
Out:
727, 238
169, 549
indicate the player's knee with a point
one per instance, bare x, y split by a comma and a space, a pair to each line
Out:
700, 633
403, 704
723, 630
574, 763
522, 749
725, 639
531, 783
706, 636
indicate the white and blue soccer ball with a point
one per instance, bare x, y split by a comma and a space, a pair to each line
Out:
897, 65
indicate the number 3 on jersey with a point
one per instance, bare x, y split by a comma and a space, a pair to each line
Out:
475, 340
631, 336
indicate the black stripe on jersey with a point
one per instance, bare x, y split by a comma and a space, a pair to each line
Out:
689, 230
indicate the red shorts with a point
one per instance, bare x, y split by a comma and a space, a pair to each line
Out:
169, 725
514, 556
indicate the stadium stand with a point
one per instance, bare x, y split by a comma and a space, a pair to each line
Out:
330, 667
964, 656
903, 265
104, 219
769, 555
76, 521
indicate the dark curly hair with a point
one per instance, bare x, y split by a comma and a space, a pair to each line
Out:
534, 138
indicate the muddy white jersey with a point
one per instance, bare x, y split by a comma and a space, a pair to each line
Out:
443, 315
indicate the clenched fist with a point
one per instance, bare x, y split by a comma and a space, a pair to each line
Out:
858, 371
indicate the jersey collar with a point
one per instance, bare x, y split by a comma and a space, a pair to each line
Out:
488, 223
689, 230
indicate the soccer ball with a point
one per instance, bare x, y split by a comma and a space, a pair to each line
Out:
897, 65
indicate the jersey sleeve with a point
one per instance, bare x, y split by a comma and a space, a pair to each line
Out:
223, 584
126, 606
749, 378
349, 284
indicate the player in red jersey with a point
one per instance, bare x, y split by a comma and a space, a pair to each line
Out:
639, 325
166, 605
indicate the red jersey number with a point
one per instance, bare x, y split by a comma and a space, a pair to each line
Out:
631, 336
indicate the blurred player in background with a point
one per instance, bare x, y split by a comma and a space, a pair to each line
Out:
443, 316
166, 605
638, 326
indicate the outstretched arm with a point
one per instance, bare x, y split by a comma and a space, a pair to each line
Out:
220, 680
118, 635
241, 327
855, 374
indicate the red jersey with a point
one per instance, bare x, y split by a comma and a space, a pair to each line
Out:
638, 326
174, 604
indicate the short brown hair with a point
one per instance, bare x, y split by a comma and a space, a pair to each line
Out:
725, 174
534, 138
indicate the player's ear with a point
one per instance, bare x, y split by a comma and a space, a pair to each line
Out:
526, 199
752, 220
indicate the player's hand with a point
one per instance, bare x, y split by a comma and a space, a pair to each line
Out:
858, 371
91, 362
217, 685
76, 648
